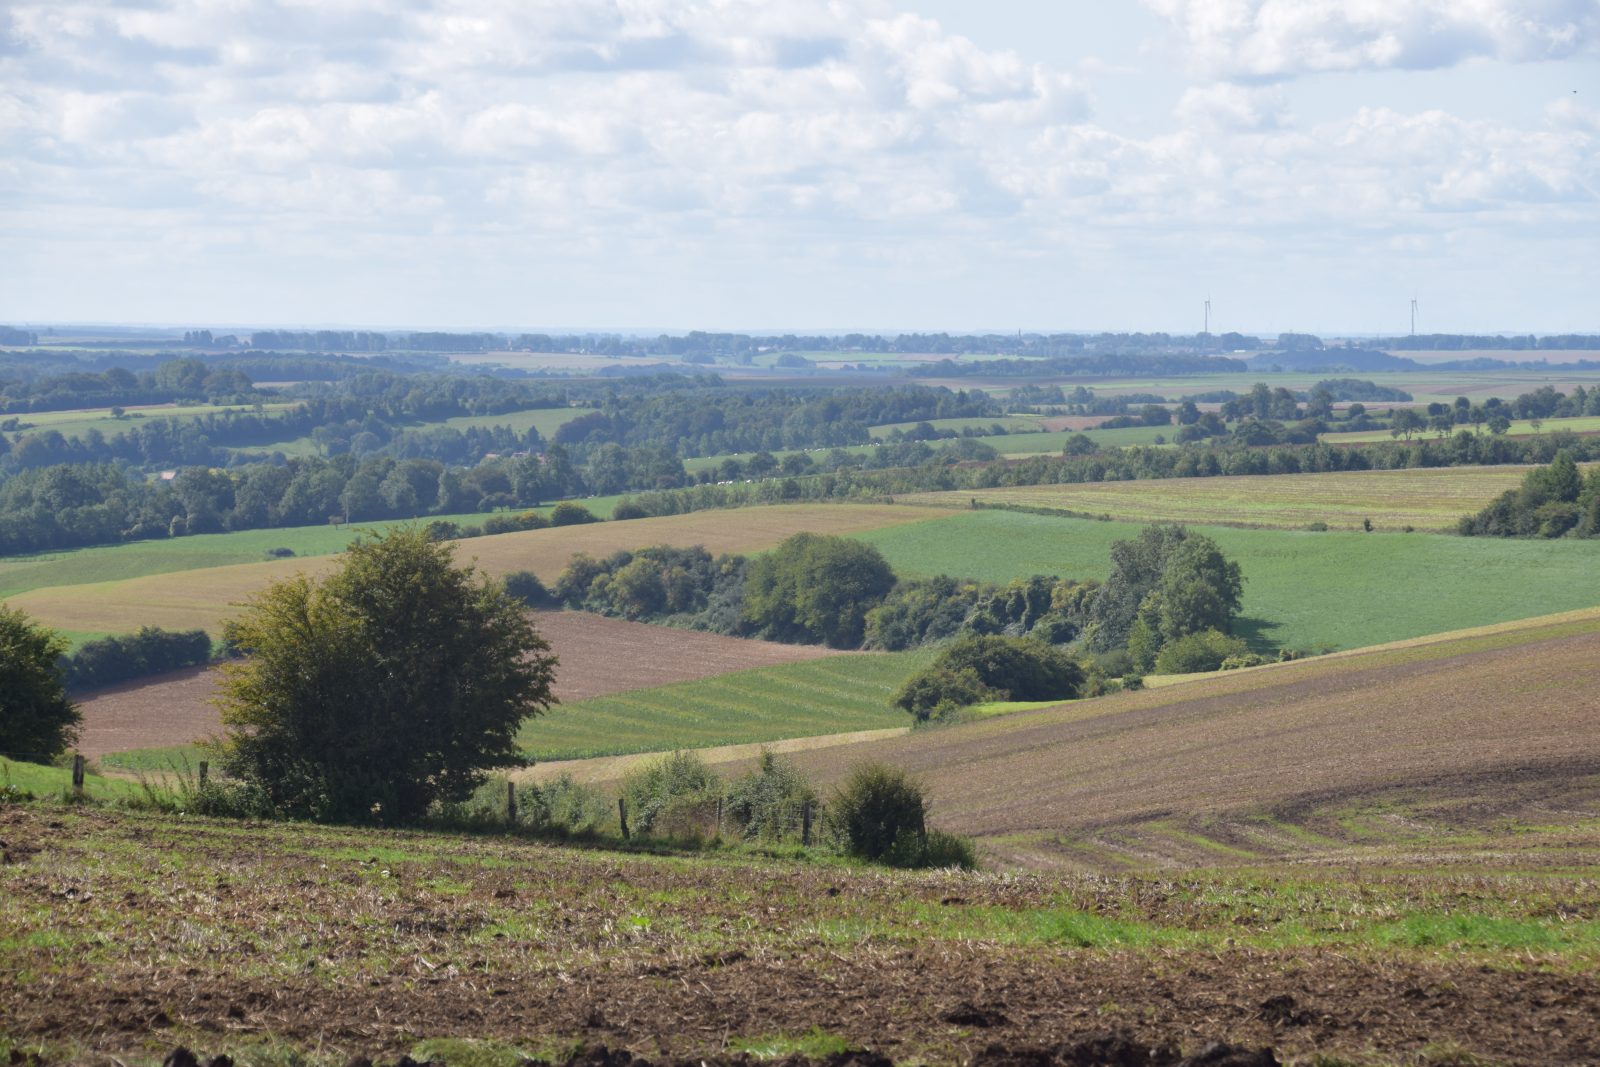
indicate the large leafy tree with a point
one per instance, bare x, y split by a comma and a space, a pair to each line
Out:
816, 588
1165, 583
37, 721
397, 681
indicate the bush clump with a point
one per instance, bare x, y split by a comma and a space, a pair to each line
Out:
1206, 650
766, 804
881, 815
980, 668
567, 513
671, 796
526, 587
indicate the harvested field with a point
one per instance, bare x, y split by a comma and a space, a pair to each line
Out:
204, 598
128, 934
1442, 748
599, 657
1432, 499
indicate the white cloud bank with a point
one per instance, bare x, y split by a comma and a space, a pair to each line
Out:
651, 161
1285, 38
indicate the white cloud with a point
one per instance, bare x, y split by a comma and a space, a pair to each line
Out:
584, 141
1285, 38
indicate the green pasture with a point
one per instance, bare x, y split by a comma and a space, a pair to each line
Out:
77, 423
1519, 428
1302, 589
137, 559
56, 782
839, 694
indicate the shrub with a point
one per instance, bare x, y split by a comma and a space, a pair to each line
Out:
567, 513
663, 790
933, 692
1202, 651
280, 553
563, 806
526, 587
627, 509
876, 807
766, 803
1025, 668
935, 848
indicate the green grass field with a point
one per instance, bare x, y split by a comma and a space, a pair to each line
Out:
1302, 589
1520, 428
77, 423
838, 694
1428, 499
56, 782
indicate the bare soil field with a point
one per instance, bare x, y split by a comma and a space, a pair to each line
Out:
258, 940
599, 656
204, 598
1451, 746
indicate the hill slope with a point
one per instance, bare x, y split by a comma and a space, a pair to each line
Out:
1422, 746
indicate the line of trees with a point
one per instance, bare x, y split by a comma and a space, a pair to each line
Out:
1553, 501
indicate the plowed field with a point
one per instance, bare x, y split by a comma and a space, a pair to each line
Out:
129, 934
1447, 747
599, 656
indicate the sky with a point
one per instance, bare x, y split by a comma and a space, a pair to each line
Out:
1307, 165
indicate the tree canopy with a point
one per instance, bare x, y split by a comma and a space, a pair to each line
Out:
397, 681
816, 588
37, 721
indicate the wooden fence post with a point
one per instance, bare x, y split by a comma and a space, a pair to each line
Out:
719, 818
805, 824
205, 770
622, 815
77, 775
511, 803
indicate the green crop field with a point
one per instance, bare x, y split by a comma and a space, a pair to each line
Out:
1520, 428
1302, 589
826, 696
77, 423
1428, 499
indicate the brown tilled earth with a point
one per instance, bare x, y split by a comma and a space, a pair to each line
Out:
598, 656
1455, 733
216, 935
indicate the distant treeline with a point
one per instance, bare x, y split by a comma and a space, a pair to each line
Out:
1125, 464
1453, 342
710, 423
177, 380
